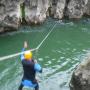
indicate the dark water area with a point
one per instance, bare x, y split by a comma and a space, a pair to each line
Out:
59, 54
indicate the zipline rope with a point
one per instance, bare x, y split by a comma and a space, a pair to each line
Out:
14, 55
45, 37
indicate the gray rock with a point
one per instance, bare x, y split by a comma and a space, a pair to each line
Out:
9, 19
87, 8
60, 9
81, 76
75, 8
36, 11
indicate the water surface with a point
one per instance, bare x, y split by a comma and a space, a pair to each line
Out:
58, 55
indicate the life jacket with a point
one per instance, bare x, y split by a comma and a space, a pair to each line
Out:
29, 71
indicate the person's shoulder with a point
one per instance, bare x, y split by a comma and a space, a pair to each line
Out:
25, 61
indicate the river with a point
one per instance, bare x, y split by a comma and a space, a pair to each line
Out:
59, 54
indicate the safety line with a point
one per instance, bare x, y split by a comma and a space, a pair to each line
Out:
14, 55
46, 37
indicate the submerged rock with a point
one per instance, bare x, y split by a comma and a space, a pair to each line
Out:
81, 76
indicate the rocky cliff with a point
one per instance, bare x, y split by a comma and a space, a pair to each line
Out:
8, 15
81, 76
14, 12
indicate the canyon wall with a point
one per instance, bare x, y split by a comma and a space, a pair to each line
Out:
14, 12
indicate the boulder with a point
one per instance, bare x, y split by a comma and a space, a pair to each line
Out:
81, 76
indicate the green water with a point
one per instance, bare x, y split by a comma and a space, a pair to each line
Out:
64, 48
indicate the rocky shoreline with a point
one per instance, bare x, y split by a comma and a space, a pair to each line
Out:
14, 12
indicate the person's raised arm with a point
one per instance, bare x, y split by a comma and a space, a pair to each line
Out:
23, 49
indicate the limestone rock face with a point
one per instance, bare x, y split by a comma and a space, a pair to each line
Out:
75, 8
60, 9
87, 9
36, 11
8, 15
81, 76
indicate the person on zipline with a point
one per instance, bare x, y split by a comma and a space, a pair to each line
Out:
30, 67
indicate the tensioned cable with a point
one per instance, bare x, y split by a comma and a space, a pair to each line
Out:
45, 37
13, 55
16, 54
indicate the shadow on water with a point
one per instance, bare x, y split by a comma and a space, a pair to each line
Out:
58, 55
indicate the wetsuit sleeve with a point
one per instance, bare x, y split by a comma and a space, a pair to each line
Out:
38, 68
22, 55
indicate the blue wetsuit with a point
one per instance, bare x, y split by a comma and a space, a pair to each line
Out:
30, 68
